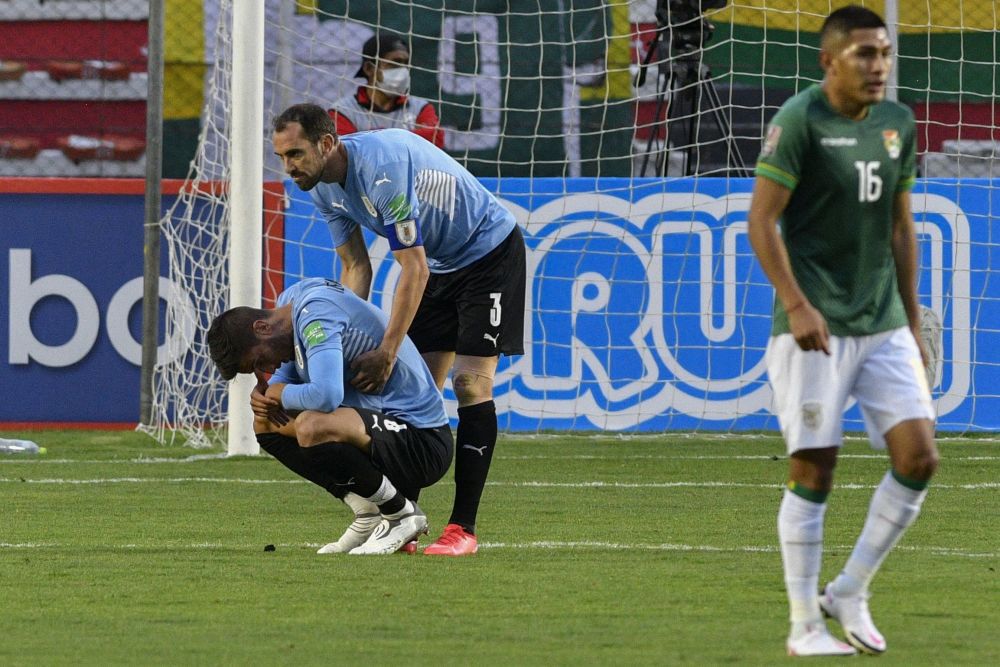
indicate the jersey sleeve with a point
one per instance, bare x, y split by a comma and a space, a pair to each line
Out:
393, 193
340, 225
286, 373
908, 164
320, 327
784, 147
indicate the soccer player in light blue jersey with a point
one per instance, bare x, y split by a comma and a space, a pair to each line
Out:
375, 451
460, 293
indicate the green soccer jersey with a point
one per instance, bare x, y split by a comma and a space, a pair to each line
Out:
837, 227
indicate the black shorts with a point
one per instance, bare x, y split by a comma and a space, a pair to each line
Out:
478, 310
412, 458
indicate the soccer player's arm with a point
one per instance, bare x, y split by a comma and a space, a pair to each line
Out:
324, 392
349, 242
355, 264
777, 174
399, 208
904, 239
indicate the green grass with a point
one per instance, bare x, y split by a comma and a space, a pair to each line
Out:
153, 562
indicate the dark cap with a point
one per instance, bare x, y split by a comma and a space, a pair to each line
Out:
380, 44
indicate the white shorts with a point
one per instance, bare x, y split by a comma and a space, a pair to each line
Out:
811, 390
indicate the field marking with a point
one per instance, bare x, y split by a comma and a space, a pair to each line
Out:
619, 456
540, 545
596, 484
623, 457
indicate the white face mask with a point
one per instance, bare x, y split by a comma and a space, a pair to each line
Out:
395, 81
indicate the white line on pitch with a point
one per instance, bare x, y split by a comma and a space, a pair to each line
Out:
540, 544
529, 484
620, 456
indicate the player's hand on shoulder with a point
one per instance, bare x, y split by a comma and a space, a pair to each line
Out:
372, 370
808, 327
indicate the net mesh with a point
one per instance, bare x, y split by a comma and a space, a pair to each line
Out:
646, 309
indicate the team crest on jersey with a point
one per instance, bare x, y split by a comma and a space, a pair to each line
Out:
812, 415
368, 205
771, 142
298, 357
406, 232
893, 146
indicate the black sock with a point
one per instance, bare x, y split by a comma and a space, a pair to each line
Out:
293, 457
348, 466
474, 445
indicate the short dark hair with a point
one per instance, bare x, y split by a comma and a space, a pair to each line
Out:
230, 336
852, 17
314, 119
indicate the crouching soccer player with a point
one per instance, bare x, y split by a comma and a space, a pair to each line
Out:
373, 451
837, 168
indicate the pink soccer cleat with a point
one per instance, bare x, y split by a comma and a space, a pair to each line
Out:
454, 541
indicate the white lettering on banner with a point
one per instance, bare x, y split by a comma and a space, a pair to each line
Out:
657, 344
25, 293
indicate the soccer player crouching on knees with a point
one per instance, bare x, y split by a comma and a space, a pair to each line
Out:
373, 451
837, 167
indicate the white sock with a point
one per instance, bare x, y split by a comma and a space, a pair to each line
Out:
893, 508
386, 492
359, 505
800, 530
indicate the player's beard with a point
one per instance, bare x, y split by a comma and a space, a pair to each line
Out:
307, 183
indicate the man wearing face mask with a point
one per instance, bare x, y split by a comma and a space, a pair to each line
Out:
384, 101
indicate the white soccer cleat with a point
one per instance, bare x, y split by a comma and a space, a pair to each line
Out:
392, 534
366, 519
813, 639
853, 615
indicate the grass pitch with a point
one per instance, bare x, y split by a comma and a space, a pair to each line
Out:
594, 550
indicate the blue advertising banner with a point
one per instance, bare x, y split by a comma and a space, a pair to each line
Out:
647, 310
71, 304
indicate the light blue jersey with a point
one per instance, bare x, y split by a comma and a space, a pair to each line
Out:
332, 326
408, 190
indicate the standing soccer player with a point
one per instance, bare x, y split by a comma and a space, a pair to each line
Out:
460, 293
836, 168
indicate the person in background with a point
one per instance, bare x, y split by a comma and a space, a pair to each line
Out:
384, 101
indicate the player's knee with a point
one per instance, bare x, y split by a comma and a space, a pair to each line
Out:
920, 465
471, 387
309, 430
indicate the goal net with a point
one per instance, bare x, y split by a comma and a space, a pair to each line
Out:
646, 308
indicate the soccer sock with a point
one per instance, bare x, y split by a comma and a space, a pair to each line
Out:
391, 502
894, 507
474, 444
287, 451
348, 467
800, 531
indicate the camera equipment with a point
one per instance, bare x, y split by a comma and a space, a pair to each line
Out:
683, 30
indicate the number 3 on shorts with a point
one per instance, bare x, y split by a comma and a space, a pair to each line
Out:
495, 310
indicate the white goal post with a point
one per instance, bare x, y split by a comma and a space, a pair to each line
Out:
646, 310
